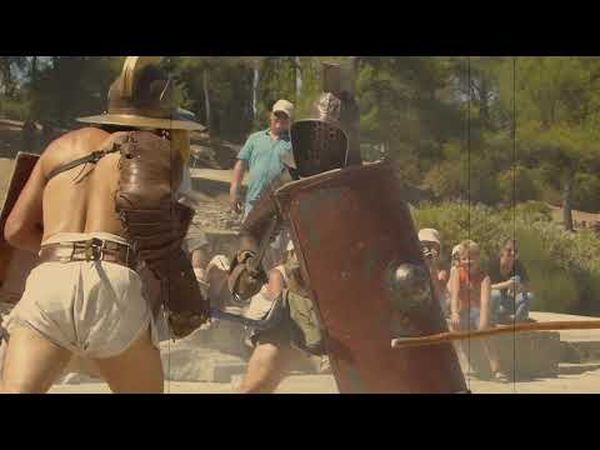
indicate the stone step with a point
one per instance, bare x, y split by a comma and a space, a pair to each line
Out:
541, 353
577, 369
580, 352
520, 356
576, 346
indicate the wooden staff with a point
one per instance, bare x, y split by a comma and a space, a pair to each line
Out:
450, 336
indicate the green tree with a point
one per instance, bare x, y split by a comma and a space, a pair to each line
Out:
558, 105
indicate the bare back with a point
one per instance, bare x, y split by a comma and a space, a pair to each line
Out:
80, 199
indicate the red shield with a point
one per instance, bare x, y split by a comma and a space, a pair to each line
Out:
350, 227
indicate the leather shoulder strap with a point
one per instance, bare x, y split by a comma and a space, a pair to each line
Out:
93, 158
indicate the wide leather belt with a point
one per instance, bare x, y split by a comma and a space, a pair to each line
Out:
89, 250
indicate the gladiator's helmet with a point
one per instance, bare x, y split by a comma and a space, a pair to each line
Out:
319, 144
142, 97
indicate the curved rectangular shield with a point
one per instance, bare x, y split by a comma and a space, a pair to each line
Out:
350, 227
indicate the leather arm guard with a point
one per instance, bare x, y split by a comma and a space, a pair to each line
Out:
246, 275
149, 173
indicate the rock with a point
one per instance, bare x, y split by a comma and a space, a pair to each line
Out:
77, 378
188, 363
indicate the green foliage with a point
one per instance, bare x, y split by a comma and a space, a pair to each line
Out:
587, 192
516, 185
218, 90
16, 109
476, 129
70, 87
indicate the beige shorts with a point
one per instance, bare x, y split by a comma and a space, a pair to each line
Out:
94, 309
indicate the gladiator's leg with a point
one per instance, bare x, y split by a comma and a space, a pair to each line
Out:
32, 363
266, 368
137, 369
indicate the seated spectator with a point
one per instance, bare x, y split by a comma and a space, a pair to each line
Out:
509, 285
432, 248
470, 299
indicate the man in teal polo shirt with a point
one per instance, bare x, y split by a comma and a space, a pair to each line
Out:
262, 156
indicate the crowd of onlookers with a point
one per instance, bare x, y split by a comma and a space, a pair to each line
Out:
471, 294
474, 297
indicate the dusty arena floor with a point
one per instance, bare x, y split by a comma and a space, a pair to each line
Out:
586, 382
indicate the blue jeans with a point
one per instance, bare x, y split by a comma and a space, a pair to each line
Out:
469, 318
506, 304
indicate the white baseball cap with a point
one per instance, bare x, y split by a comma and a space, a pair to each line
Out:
284, 106
430, 235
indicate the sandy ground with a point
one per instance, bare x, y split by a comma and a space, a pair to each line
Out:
586, 382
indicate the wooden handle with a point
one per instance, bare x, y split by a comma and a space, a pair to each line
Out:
504, 329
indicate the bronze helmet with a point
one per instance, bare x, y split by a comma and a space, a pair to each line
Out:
142, 97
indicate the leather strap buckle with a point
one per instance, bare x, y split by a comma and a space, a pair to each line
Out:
94, 249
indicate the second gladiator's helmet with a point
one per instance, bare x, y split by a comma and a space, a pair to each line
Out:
319, 144
142, 97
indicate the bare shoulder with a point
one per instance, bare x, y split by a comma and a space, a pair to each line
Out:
83, 138
71, 145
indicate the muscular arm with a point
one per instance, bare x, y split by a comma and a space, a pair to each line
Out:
24, 226
246, 275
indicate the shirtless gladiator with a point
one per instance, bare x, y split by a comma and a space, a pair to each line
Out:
101, 210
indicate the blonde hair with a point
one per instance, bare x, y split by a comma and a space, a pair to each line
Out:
455, 255
468, 247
